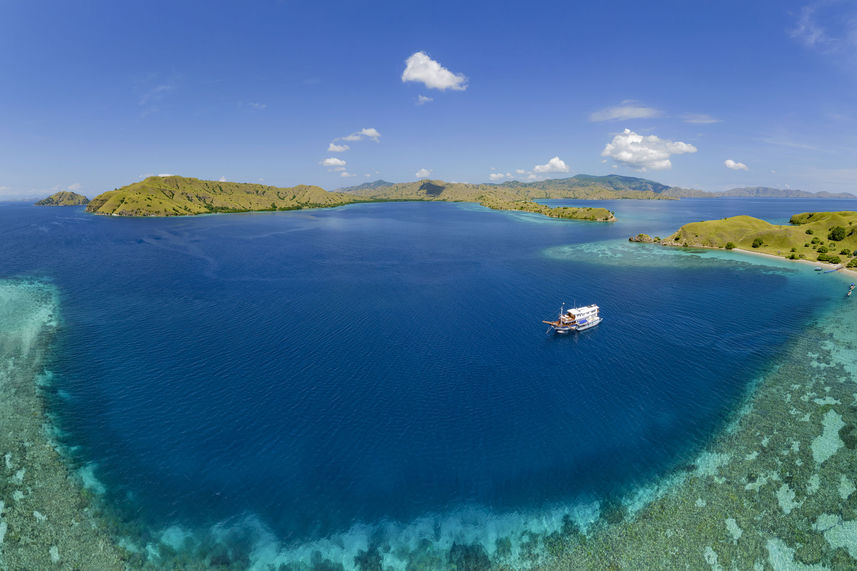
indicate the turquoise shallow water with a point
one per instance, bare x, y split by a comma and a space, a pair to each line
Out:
326, 381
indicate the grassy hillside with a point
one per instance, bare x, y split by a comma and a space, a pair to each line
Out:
823, 236
176, 196
567, 212
462, 192
179, 196
63, 198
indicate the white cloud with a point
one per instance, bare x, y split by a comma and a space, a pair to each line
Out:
497, 176
74, 187
334, 164
699, 119
735, 166
553, 165
520, 171
334, 148
369, 133
644, 152
222, 179
422, 99
628, 109
808, 30
257, 106
420, 67
166, 174
346, 173
423, 173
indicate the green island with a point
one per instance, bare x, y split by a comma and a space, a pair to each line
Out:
64, 198
829, 237
182, 196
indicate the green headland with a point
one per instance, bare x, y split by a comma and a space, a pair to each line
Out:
64, 198
829, 237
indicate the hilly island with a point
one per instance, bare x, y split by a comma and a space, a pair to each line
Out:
829, 237
64, 198
182, 196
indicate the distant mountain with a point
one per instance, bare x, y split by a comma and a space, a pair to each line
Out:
64, 198
756, 192
609, 182
366, 185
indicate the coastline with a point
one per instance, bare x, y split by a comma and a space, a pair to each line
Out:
852, 272
46, 517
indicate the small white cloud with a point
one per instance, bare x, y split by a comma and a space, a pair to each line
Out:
369, 133
497, 176
520, 171
422, 99
74, 187
334, 148
734, 165
166, 174
644, 152
334, 164
222, 179
423, 173
533, 176
346, 173
699, 119
553, 165
257, 106
628, 109
421, 68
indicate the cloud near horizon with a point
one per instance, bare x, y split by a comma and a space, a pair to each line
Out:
423, 173
735, 166
554, 165
644, 152
419, 67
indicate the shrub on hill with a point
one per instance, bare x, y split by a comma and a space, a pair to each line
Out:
730, 245
845, 252
757, 242
822, 257
822, 250
834, 260
836, 233
809, 230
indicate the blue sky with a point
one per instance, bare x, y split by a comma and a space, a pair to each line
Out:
95, 95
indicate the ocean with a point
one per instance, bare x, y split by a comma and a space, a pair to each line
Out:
309, 386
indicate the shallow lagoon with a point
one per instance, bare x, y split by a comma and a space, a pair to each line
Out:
271, 385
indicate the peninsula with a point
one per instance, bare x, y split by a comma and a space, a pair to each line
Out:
182, 196
64, 198
829, 237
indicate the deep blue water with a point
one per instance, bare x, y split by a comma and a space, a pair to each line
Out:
378, 361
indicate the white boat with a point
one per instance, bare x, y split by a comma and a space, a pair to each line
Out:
575, 319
